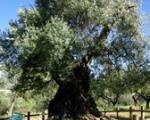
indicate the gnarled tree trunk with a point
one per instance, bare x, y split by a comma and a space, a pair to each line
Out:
72, 100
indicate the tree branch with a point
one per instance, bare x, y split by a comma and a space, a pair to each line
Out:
103, 36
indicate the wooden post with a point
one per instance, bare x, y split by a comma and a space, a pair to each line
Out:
117, 110
130, 113
134, 117
28, 116
43, 116
104, 112
142, 113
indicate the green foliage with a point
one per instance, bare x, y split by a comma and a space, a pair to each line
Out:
126, 100
5, 101
52, 35
24, 106
47, 50
111, 87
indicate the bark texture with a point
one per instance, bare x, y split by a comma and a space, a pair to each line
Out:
72, 100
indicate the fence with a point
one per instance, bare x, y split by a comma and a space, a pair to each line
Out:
29, 115
131, 114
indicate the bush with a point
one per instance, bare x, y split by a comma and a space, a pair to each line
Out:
5, 101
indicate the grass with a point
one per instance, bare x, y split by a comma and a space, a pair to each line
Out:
3, 117
126, 114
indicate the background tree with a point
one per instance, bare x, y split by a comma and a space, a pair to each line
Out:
140, 88
111, 87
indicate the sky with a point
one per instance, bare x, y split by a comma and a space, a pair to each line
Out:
146, 10
9, 9
146, 6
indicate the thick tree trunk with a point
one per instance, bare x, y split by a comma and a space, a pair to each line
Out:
135, 100
10, 112
147, 104
72, 100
